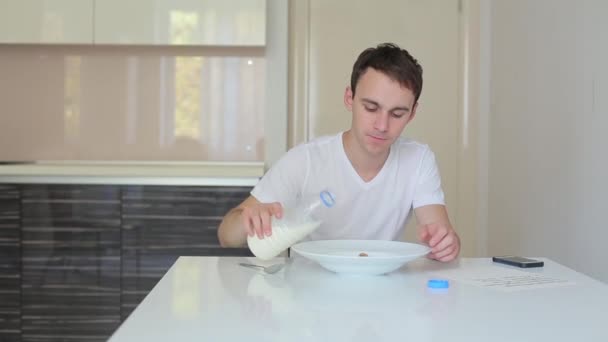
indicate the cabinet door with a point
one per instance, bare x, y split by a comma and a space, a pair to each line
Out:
46, 21
181, 22
161, 223
10, 280
70, 262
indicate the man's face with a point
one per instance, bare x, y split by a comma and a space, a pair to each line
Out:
381, 109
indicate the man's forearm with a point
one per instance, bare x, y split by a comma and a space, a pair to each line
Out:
231, 232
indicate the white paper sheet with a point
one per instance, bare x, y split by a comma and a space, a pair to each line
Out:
503, 278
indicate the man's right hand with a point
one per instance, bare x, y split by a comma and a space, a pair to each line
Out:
257, 218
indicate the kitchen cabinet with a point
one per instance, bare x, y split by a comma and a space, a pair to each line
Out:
46, 21
181, 22
162, 223
134, 22
10, 273
76, 259
70, 238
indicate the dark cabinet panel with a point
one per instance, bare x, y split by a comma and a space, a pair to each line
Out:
75, 260
10, 264
70, 240
161, 223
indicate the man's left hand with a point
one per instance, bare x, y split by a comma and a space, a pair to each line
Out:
443, 240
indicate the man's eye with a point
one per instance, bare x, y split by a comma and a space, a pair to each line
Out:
398, 115
370, 109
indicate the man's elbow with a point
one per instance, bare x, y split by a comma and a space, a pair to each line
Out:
226, 239
227, 230
224, 243
222, 239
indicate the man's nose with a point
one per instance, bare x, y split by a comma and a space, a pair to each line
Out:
381, 123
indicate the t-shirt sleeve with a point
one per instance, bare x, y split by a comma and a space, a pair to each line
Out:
284, 180
428, 188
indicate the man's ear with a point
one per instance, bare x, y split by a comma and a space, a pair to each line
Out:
348, 98
413, 113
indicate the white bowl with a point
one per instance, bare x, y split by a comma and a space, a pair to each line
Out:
345, 256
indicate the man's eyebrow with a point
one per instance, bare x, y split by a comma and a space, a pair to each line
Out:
372, 102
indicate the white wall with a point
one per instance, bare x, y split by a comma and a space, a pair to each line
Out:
548, 116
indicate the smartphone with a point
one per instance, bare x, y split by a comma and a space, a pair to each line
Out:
518, 261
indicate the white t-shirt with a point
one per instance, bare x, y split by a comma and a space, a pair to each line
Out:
374, 210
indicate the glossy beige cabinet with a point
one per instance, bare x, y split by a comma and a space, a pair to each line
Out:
46, 21
181, 22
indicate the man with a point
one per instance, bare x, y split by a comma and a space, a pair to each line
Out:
377, 177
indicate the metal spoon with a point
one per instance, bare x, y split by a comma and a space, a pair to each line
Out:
267, 269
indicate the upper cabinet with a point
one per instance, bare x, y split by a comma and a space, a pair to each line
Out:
181, 22
46, 21
134, 22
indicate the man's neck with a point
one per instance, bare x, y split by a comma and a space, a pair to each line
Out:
367, 166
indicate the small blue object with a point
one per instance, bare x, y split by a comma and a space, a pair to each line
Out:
327, 198
438, 284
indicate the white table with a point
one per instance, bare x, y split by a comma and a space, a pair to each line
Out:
214, 299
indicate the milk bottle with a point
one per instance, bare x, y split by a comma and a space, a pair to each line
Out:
296, 223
